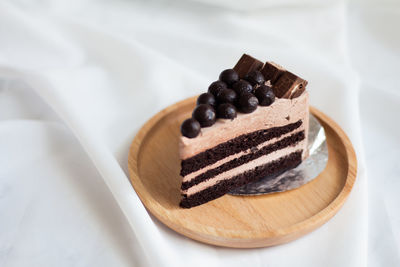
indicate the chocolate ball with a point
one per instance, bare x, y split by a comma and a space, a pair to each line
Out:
242, 87
247, 103
190, 128
229, 77
226, 111
207, 98
216, 87
265, 95
204, 114
255, 77
227, 96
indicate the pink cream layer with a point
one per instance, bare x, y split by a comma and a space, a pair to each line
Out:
244, 167
282, 112
192, 175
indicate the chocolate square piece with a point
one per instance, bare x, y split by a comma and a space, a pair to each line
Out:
246, 64
289, 85
272, 71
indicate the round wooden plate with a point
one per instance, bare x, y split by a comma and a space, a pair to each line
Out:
236, 221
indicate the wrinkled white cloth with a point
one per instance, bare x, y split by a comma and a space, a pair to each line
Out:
79, 78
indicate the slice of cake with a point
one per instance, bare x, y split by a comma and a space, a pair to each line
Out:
252, 123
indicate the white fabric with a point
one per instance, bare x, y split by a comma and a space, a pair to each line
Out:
79, 78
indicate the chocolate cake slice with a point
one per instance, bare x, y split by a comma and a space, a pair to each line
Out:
252, 123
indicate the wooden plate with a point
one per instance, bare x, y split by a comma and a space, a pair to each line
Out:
236, 221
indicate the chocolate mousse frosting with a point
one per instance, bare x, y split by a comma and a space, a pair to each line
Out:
282, 112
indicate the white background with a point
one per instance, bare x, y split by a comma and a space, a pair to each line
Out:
79, 78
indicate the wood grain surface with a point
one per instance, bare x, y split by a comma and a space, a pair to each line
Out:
236, 221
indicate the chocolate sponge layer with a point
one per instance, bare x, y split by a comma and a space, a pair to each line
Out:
285, 142
223, 187
233, 146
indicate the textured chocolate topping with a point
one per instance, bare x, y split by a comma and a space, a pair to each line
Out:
204, 114
247, 64
190, 128
255, 77
226, 111
265, 95
248, 103
227, 96
289, 86
216, 87
272, 71
229, 76
242, 87
207, 98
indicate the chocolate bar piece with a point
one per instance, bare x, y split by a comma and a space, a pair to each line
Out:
246, 64
289, 86
272, 71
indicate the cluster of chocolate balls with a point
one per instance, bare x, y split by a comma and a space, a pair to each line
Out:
227, 96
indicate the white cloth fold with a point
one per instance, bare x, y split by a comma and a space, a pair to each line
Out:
90, 73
